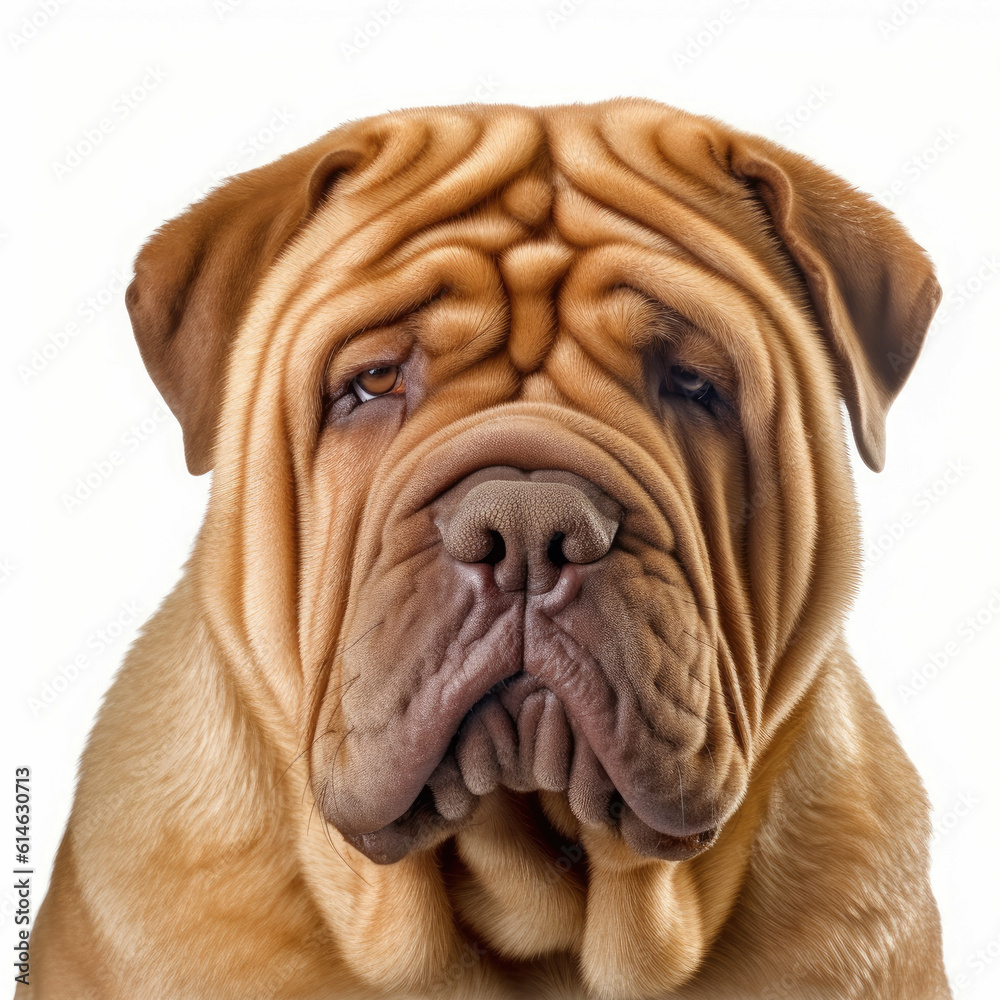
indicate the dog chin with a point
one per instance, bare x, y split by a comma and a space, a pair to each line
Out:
423, 827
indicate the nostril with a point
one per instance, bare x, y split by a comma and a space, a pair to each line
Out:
497, 551
555, 551
526, 531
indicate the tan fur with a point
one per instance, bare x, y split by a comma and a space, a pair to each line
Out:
570, 242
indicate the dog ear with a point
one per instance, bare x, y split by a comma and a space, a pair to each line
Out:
195, 276
872, 287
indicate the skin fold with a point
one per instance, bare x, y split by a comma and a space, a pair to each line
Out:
521, 671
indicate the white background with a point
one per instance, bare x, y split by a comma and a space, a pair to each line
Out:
222, 87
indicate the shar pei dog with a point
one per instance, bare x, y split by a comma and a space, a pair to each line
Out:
510, 659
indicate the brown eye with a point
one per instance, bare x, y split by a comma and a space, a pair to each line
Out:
688, 383
378, 381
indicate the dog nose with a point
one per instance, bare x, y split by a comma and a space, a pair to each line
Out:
529, 529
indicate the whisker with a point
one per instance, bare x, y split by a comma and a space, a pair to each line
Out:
709, 607
704, 642
680, 785
364, 635
331, 842
715, 775
295, 760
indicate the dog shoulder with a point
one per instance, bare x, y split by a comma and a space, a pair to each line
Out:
836, 902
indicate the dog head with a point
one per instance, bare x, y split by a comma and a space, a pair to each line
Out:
529, 463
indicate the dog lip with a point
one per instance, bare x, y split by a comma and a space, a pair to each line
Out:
421, 825
514, 688
656, 811
445, 801
443, 708
448, 703
395, 840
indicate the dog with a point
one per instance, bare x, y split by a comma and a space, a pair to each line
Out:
509, 661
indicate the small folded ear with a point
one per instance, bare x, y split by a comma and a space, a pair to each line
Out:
872, 287
195, 276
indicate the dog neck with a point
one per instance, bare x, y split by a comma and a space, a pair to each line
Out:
559, 902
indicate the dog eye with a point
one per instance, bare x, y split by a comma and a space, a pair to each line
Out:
379, 381
684, 382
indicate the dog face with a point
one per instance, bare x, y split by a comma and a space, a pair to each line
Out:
529, 466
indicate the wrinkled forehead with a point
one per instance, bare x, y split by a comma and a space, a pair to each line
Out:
537, 215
